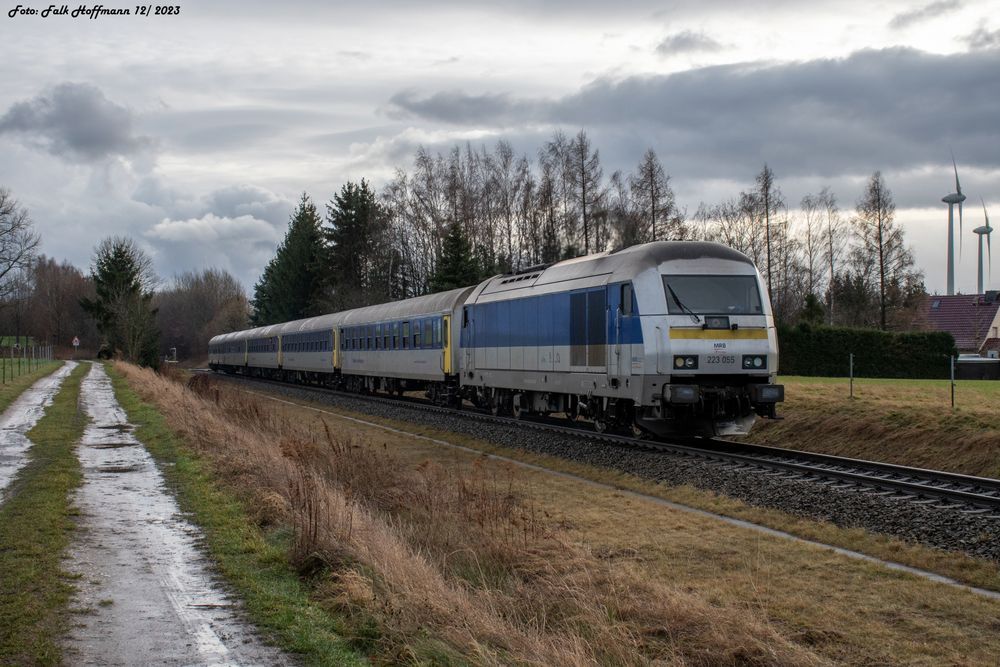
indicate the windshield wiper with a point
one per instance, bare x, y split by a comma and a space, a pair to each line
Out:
680, 305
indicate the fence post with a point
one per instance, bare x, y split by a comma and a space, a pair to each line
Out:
851, 367
952, 360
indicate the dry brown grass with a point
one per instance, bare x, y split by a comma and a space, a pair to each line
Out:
909, 422
449, 561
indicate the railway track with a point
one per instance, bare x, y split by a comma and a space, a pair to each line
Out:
933, 488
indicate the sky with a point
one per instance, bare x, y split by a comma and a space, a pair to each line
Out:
197, 132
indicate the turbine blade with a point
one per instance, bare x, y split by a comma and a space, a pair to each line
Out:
989, 244
958, 186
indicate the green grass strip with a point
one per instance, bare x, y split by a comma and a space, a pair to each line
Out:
14, 387
35, 529
255, 565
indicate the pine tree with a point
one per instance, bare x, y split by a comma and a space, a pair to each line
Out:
290, 287
361, 263
122, 308
458, 266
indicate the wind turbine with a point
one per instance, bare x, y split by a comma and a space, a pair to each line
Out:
984, 231
954, 198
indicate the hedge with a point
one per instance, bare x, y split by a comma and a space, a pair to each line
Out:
807, 350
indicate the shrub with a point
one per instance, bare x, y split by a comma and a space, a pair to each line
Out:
808, 350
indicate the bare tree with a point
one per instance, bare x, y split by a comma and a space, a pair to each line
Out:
770, 201
881, 250
813, 233
18, 243
198, 306
654, 198
586, 175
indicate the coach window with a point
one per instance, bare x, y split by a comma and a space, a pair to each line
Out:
437, 331
406, 335
428, 335
416, 335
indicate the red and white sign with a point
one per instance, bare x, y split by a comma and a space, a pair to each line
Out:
76, 342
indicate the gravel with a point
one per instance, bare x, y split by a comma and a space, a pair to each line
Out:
943, 528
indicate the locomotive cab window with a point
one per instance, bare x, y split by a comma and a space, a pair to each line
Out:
712, 295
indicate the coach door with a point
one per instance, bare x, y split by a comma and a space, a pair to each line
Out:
446, 340
336, 348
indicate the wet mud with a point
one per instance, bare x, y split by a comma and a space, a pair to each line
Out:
20, 417
146, 592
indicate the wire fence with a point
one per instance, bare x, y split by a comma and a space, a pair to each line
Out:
17, 360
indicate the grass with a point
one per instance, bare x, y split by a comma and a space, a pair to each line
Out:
973, 571
844, 610
447, 562
253, 561
909, 422
14, 387
35, 528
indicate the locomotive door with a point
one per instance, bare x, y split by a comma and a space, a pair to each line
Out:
446, 339
620, 328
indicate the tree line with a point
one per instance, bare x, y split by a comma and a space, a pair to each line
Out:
461, 215
119, 308
453, 219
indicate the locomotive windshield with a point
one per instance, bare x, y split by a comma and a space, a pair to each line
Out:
712, 295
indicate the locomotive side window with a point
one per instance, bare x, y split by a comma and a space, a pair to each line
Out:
626, 300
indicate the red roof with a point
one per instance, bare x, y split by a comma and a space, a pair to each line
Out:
991, 344
967, 317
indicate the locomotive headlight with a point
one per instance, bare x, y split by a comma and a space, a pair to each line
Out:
754, 361
687, 362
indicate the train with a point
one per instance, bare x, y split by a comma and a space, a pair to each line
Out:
661, 339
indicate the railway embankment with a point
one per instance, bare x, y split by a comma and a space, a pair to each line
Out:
425, 550
907, 422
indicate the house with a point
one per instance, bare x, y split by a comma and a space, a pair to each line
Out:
972, 319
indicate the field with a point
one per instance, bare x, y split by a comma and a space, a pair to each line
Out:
909, 422
430, 554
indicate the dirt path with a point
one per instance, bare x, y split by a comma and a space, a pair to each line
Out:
20, 417
147, 592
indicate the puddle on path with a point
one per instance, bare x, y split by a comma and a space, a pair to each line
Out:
20, 417
147, 591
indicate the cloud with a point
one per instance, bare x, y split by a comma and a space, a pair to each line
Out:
873, 109
240, 245
458, 107
981, 38
77, 122
239, 201
687, 41
920, 14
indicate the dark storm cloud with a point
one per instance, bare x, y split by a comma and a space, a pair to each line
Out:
687, 41
930, 11
75, 121
981, 38
894, 108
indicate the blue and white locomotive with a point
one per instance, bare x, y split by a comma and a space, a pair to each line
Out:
663, 338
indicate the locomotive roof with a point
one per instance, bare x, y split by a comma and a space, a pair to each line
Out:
621, 264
